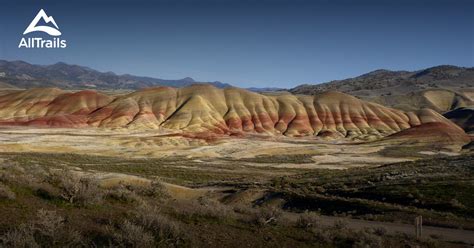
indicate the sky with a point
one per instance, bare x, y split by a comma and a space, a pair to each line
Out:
259, 43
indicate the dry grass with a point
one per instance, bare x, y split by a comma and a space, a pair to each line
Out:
6, 193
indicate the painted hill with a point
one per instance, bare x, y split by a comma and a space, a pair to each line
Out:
20, 74
207, 110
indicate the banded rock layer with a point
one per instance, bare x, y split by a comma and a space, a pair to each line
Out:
204, 108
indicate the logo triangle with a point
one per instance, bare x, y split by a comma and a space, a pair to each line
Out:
47, 29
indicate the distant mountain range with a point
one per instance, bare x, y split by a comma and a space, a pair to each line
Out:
20, 74
265, 89
379, 83
386, 82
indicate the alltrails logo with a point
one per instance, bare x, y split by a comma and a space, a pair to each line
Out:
38, 42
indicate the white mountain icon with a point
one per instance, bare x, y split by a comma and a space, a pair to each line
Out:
47, 29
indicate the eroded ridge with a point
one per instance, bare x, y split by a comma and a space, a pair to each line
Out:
204, 108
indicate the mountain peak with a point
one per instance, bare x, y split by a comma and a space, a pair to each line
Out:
60, 63
188, 79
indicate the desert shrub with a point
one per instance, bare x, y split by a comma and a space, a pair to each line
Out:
154, 189
46, 191
22, 236
266, 215
18, 174
205, 207
134, 192
366, 238
37, 171
380, 231
6, 193
123, 194
308, 220
10, 173
50, 228
11, 167
132, 235
49, 223
77, 189
214, 208
165, 230
47, 230
322, 235
340, 236
28, 180
4, 177
335, 235
244, 209
456, 204
340, 224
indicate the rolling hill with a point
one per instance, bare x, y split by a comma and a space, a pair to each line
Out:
386, 82
441, 88
204, 110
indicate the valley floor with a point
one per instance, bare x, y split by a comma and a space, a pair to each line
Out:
253, 150
85, 187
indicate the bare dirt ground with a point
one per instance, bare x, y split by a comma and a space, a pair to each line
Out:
158, 144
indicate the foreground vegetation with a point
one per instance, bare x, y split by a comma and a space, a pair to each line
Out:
57, 200
441, 189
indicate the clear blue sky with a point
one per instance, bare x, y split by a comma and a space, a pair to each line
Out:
248, 43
